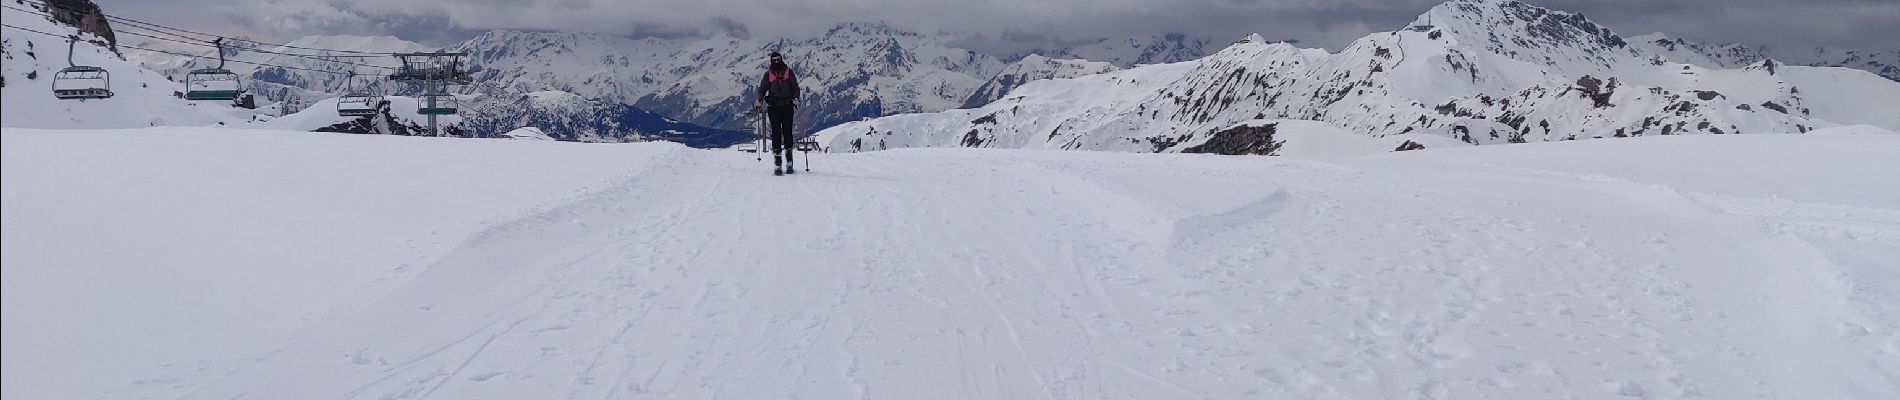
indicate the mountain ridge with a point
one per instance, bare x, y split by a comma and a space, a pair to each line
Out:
1479, 71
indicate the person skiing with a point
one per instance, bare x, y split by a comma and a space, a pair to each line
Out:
779, 94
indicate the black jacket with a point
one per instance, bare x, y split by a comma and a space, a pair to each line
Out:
781, 92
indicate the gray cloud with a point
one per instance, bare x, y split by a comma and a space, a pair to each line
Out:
1004, 25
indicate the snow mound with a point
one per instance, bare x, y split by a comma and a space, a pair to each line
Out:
528, 133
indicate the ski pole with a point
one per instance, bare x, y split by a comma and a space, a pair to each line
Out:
758, 135
807, 150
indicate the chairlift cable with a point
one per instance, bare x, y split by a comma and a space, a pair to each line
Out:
166, 52
155, 27
198, 42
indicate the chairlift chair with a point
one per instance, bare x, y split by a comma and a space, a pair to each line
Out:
808, 144
81, 82
445, 104
213, 83
357, 103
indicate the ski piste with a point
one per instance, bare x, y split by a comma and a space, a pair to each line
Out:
162, 248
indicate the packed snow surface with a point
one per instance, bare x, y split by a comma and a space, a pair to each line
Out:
229, 264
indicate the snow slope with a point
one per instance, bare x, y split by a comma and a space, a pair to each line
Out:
1032, 68
1752, 266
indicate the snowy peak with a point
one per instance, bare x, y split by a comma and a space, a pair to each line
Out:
1699, 54
1527, 33
1128, 52
373, 44
866, 30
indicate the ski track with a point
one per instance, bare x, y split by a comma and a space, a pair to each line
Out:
1067, 276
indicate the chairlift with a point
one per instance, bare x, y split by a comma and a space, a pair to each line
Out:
213, 83
808, 144
357, 103
81, 82
438, 104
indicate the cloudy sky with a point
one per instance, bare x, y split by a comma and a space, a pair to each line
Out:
1784, 24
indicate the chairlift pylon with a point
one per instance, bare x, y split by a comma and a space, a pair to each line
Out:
81, 82
213, 83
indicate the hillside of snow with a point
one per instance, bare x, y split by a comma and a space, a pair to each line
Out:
1477, 71
1129, 52
163, 263
1032, 68
142, 98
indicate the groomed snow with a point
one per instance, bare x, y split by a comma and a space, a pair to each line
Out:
221, 264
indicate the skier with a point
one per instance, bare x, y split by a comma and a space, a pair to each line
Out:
779, 94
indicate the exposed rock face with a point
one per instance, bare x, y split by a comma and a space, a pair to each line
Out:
1254, 140
84, 15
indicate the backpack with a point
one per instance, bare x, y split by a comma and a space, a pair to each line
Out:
778, 86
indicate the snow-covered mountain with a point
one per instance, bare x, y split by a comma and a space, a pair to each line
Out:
1479, 71
1885, 62
594, 66
141, 97
1033, 68
851, 72
1700, 54
1129, 52
568, 116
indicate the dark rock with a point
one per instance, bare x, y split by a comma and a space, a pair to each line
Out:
1241, 140
1776, 107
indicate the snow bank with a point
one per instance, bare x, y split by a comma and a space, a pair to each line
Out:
528, 133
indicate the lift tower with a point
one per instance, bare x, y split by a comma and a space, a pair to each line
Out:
433, 73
